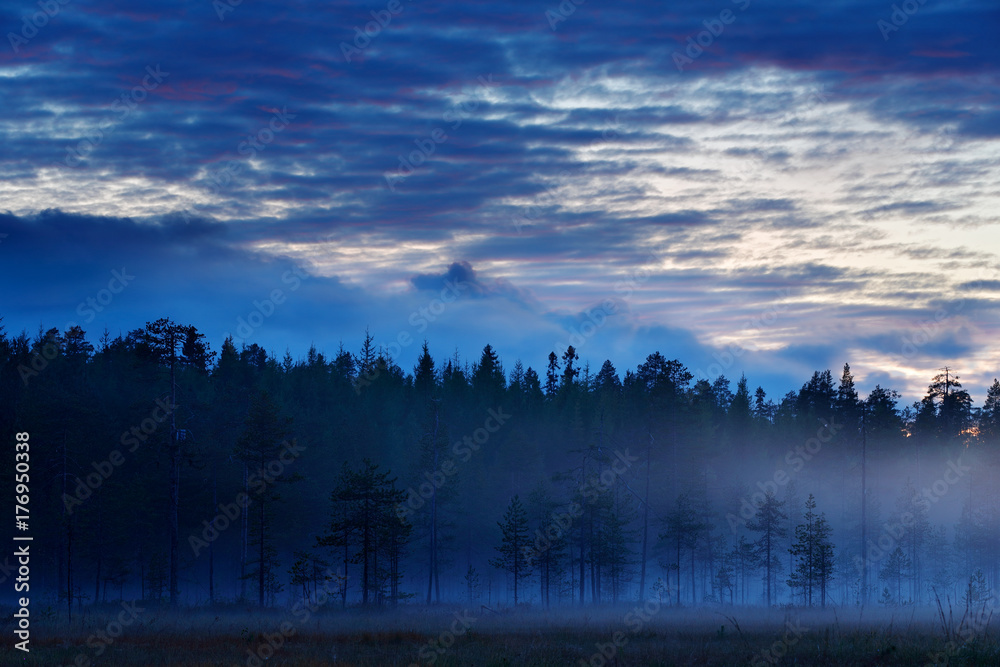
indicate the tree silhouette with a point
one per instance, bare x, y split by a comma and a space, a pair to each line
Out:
769, 522
514, 546
365, 523
813, 552
896, 568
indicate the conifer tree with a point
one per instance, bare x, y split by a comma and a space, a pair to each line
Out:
514, 544
769, 522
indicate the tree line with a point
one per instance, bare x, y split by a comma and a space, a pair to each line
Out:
177, 473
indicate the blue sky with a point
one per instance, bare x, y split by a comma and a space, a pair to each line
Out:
769, 187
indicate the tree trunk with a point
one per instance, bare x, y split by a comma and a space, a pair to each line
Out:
694, 596
175, 473
343, 584
100, 551
645, 524
516, 568
244, 536
678, 570
583, 541
432, 570
260, 568
211, 550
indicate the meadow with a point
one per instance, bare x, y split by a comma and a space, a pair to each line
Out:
649, 634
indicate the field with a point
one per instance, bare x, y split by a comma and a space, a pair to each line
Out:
637, 635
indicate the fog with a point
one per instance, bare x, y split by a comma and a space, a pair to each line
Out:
168, 476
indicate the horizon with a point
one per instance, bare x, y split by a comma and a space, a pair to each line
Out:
826, 173
691, 194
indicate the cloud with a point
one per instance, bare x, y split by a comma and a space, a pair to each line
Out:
801, 151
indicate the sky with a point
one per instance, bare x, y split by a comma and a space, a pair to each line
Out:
768, 188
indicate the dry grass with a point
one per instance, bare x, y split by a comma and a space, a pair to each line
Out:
723, 636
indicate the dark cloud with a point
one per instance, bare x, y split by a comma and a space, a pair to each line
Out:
459, 273
990, 285
571, 153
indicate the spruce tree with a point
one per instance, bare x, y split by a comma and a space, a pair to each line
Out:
514, 543
769, 522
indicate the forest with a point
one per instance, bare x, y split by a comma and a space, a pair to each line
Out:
165, 471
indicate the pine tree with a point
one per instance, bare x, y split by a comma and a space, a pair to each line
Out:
159, 344
977, 591
343, 529
365, 523
804, 550
433, 450
746, 561
954, 407
261, 443
570, 372
896, 568
813, 551
848, 405
488, 380
548, 548
911, 511
824, 559
514, 544
615, 538
552, 376
769, 522
472, 586
424, 375
763, 409
682, 529
989, 416
741, 415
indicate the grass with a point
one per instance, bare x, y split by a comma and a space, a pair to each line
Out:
450, 636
